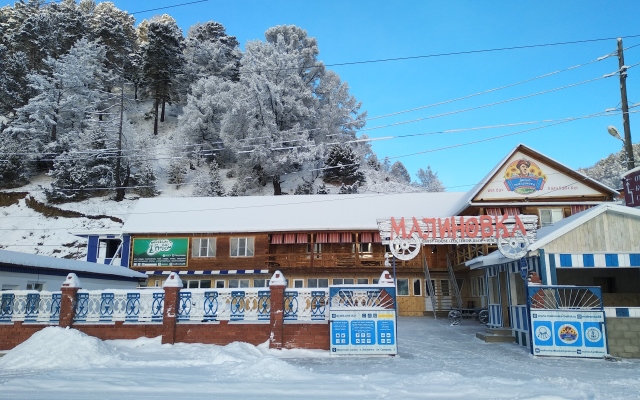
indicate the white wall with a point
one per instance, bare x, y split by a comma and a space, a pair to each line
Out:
8, 281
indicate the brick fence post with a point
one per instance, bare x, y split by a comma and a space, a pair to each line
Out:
277, 285
69, 289
171, 287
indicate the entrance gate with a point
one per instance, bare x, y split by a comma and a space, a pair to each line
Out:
566, 321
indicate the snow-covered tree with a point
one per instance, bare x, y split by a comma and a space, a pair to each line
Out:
66, 100
162, 61
306, 187
208, 184
342, 165
428, 180
610, 169
209, 51
145, 181
399, 171
177, 172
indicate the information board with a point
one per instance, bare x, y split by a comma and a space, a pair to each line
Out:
568, 333
362, 320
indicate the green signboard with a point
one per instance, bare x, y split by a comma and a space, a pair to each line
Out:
160, 252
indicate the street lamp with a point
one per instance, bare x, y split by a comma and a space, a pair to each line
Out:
627, 146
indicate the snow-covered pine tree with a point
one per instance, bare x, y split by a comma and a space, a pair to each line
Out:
177, 172
145, 182
208, 184
323, 189
399, 171
342, 165
428, 180
306, 187
209, 51
163, 61
239, 188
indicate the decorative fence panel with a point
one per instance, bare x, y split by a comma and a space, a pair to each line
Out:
30, 306
306, 304
141, 306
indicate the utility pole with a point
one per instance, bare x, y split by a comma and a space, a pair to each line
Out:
628, 145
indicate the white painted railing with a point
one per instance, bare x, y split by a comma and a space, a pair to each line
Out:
29, 306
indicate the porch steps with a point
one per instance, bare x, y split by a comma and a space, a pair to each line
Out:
496, 335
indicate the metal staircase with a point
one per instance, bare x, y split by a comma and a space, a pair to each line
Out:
427, 275
454, 283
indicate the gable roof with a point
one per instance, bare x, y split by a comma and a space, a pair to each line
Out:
550, 233
477, 189
14, 258
284, 213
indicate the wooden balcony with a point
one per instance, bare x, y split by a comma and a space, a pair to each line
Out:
336, 261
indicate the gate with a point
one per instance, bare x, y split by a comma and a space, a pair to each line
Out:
566, 321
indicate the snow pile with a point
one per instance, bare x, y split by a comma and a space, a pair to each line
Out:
55, 348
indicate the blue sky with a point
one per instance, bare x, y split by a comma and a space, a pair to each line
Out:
359, 30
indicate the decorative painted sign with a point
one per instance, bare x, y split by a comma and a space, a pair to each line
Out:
512, 233
362, 320
524, 177
568, 333
631, 185
160, 252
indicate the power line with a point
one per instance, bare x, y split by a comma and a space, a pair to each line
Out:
173, 6
455, 53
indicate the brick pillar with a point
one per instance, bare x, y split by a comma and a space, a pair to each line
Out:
172, 287
69, 289
277, 284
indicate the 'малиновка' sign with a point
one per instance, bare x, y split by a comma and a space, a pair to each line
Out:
160, 252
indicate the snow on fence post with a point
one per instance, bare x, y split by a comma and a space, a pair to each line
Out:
171, 287
69, 290
277, 285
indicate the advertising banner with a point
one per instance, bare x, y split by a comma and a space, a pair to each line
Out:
568, 333
362, 320
160, 252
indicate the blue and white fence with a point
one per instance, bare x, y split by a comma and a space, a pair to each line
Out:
30, 306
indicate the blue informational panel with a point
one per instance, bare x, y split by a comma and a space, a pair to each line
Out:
363, 320
568, 333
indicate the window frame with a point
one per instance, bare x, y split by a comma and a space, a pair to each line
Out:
211, 247
240, 283
106, 244
417, 283
249, 246
399, 290
552, 211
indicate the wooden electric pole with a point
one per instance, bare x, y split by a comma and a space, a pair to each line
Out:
628, 145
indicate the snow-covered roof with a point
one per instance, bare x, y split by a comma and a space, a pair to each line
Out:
551, 232
38, 261
284, 213
521, 147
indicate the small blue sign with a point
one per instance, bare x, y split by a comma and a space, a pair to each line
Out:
524, 268
386, 332
363, 333
568, 333
340, 333
542, 333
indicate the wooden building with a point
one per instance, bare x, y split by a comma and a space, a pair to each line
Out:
324, 240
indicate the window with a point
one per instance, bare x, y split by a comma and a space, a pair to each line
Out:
426, 288
362, 281
107, 248
375, 281
417, 287
238, 283
242, 247
298, 283
477, 286
10, 287
341, 281
220, 284
362, 248
260, 283
157, 283
203, 247
550, 216
199, 284
444, 287
35, 286
317, 283
403, 287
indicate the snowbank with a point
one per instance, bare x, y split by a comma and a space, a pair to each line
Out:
57, 348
